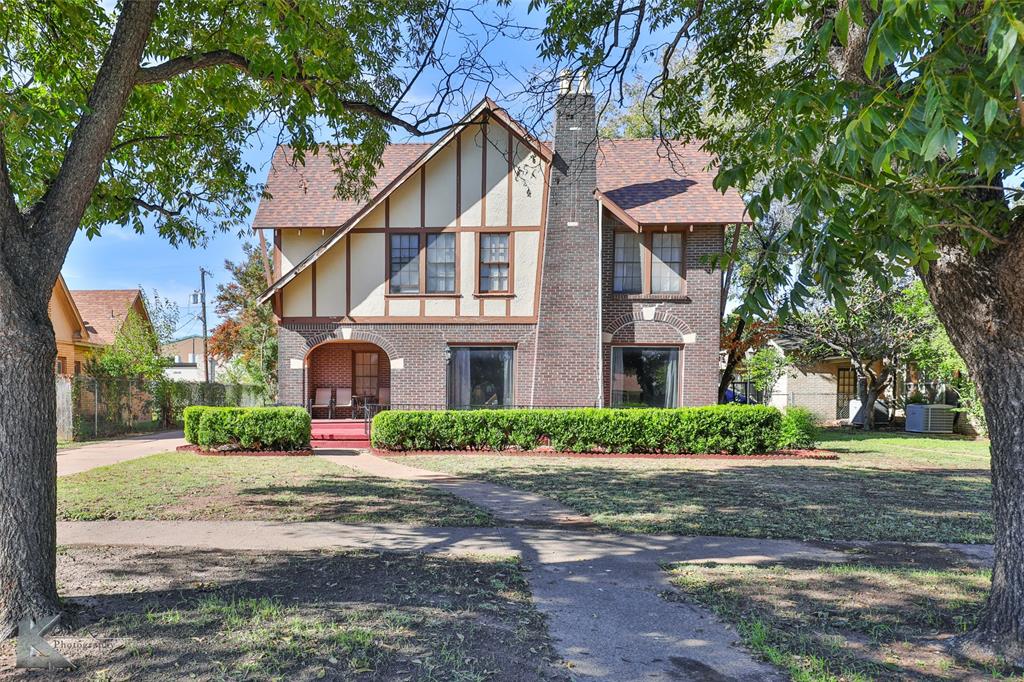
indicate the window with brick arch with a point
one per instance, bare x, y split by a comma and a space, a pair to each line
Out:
367, 372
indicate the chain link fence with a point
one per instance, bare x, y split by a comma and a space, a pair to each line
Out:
91, 407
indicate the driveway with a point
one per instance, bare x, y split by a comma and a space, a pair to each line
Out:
75, 460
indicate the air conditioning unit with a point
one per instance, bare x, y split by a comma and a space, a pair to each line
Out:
930, 418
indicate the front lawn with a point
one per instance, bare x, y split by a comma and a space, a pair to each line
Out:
174, 614
883, 487
845, 623
189, 486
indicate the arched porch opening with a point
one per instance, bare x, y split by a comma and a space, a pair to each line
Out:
352, 373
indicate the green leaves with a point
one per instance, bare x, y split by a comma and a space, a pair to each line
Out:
178, 162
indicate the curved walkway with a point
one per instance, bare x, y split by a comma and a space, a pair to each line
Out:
601, 592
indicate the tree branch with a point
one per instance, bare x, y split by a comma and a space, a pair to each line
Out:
8, 205
148, 75
65, 201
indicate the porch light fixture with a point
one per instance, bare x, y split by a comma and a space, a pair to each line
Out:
447, 354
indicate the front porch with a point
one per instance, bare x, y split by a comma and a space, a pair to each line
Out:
341, 378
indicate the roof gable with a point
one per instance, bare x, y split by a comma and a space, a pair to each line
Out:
486, 108
105, 310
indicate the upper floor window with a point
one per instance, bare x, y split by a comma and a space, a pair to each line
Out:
441, 263
628, 270
405, 263
666, 262
494, 263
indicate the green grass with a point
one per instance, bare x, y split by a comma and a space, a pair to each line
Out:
174, 486
844, 623
883, 487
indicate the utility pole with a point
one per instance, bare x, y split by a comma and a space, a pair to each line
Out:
203, 272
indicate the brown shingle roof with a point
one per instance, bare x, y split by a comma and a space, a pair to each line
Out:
104, 311
637, 175
655, 186
303, 196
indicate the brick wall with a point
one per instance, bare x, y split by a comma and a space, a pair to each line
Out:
415, 352
568, 327
690, 323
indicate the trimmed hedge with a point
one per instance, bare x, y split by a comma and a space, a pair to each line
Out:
799, 428
250, 428
191, 416
735, 429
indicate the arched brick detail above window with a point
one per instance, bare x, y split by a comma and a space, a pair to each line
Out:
644, 326
351, 334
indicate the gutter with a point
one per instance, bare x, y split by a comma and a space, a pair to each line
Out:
600, 302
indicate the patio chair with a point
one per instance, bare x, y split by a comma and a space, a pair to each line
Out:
344, 398
322, 399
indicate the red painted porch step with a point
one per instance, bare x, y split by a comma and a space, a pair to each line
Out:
339, 434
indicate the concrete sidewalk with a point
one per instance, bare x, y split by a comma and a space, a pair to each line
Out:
600, 592
77, 459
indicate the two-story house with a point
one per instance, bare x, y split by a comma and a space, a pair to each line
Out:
490, 268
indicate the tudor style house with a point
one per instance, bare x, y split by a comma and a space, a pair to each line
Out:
492, 269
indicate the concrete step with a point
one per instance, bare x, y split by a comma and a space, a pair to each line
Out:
339, 444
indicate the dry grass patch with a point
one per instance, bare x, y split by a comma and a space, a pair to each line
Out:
845, 623
155, 615
180, 485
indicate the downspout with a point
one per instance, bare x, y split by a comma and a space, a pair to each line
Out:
600, 303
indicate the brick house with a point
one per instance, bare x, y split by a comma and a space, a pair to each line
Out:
490, 268
86, 320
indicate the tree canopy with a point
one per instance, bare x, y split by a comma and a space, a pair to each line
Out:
874, 123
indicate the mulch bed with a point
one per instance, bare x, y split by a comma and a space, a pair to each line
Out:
781, 454
245, 453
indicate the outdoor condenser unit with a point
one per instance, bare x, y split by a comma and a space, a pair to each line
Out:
930, 418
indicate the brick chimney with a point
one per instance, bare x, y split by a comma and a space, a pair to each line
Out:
567, 365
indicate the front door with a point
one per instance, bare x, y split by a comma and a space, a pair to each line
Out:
366, 376
846, 390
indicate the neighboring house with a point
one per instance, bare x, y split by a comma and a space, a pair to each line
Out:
105, 310
491, 269
825, 387
187, 356
74, 343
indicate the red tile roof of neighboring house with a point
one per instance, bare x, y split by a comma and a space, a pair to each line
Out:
104, 311
639, 176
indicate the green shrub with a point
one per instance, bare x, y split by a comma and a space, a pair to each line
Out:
735, 429
192, 415
252, 428
799, 428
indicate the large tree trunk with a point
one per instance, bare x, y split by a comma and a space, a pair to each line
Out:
980, 300
33, 246
28, 458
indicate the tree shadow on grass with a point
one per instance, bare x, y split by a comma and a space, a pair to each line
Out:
361, 500
849, 620
171, 613
801, 502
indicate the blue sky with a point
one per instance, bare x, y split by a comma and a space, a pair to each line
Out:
121, 258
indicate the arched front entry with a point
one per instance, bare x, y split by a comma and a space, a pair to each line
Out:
356, 373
